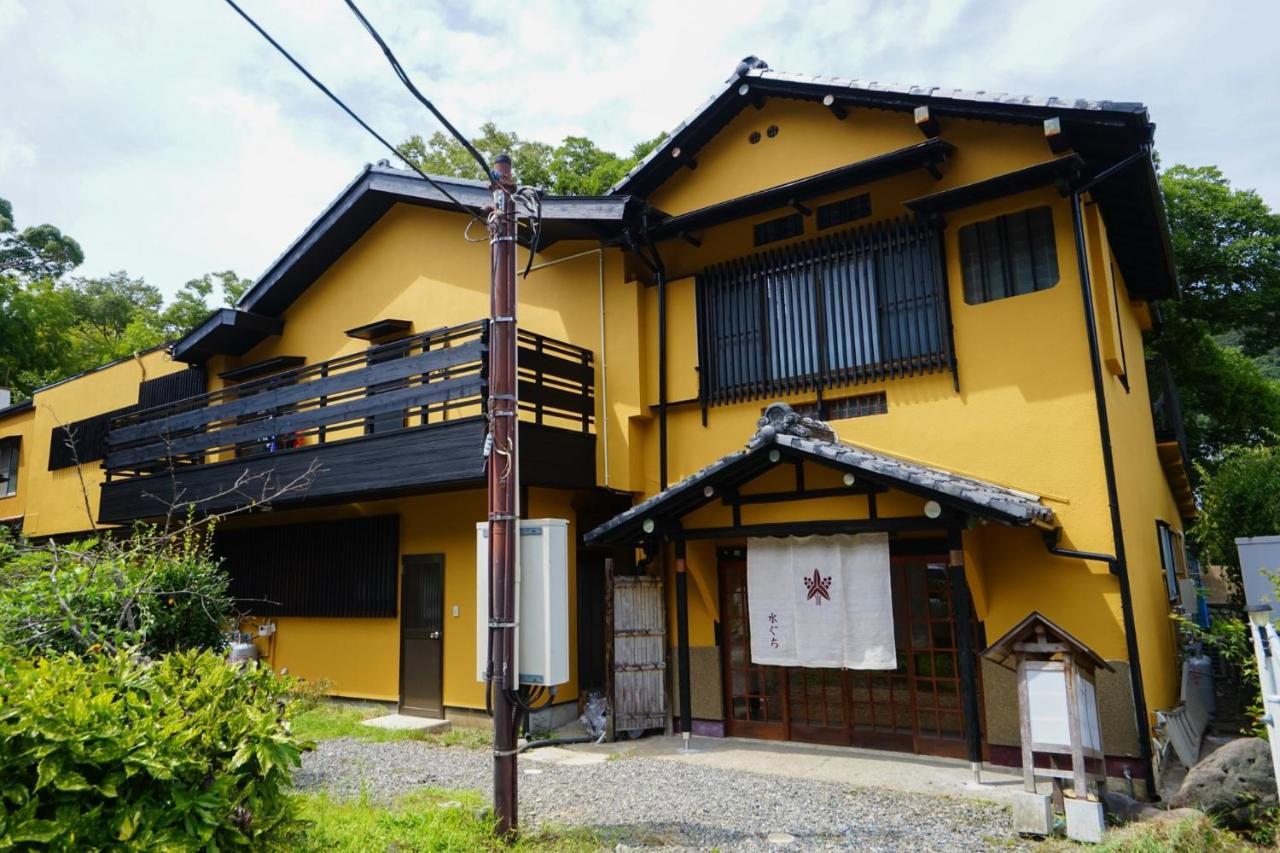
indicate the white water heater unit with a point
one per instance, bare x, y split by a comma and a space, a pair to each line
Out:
542, 616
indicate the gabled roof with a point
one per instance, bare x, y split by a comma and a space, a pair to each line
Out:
1102, 132
804, 438
361, 204
1032, 626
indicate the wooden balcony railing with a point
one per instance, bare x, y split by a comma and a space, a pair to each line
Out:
416, 383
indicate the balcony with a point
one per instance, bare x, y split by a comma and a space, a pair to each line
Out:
400, 418
1171, 436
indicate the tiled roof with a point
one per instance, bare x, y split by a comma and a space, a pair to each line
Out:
781, 427
935, 94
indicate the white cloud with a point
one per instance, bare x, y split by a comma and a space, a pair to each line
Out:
171, 140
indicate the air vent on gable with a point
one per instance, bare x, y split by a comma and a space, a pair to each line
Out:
779, 229
845, 210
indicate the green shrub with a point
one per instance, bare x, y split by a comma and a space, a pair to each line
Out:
115, 750
160, 592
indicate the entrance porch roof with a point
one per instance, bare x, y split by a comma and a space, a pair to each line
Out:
784, 437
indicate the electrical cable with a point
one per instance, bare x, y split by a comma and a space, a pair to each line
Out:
404, 78
323, 88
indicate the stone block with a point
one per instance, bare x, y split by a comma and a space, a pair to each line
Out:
1032, 814
1085, 820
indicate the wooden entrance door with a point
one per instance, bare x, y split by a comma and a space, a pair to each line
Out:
754, 701
913, 708
422, 636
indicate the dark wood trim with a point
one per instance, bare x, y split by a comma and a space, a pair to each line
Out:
928, 153
801, 494
262, 368
433, 458
811, 528
1032, 177
379, 329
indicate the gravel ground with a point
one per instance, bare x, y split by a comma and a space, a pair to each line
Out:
650, 802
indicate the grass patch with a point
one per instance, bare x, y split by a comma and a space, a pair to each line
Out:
331, 719
1189, 835
425, 820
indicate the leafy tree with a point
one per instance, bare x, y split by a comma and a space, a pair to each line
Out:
114, 315
35, 252
1226, 398
190, 306
1226, 245
575, 167
1240, 498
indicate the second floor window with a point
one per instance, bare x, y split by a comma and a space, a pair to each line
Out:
9, 448
1009, 255
856, 306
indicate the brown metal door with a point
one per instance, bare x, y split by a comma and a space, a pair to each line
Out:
422, 636
754, 696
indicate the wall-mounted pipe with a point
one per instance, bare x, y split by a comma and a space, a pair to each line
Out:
1118, 563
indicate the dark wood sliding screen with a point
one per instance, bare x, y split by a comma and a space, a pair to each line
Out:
324, 568
857, 306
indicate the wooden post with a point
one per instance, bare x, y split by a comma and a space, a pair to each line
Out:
1024, 702
962, 608
612, 713
1078, 778
682, 642
503, 480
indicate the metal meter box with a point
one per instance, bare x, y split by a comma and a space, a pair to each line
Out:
542, 632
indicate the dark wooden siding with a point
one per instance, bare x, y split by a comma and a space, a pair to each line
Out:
82, 441
176, 386
326, 568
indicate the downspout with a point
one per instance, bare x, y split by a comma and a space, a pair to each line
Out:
603, 425
1118, 564
659, 270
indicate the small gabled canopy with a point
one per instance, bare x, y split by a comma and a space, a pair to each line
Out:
1038, 630
227, 331
799, 438
1102, 133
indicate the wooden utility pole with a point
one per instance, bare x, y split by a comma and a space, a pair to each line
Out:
503, 474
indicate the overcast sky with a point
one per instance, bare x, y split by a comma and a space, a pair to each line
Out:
170, 140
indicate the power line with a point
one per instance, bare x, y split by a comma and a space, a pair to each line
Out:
404, 78
323, 88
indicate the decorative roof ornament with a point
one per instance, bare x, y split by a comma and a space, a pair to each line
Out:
749, 63
780, 419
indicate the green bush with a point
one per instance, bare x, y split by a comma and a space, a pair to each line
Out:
160, 592
115, 750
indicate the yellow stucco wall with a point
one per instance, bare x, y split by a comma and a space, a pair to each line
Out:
360, 658
413, 264
1024, 415
18, 426
56, 500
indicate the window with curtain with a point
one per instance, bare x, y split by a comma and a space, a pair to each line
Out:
1009, 255
856, 306
9, 449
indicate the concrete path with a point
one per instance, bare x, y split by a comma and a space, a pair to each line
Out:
894, 771
405, 722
